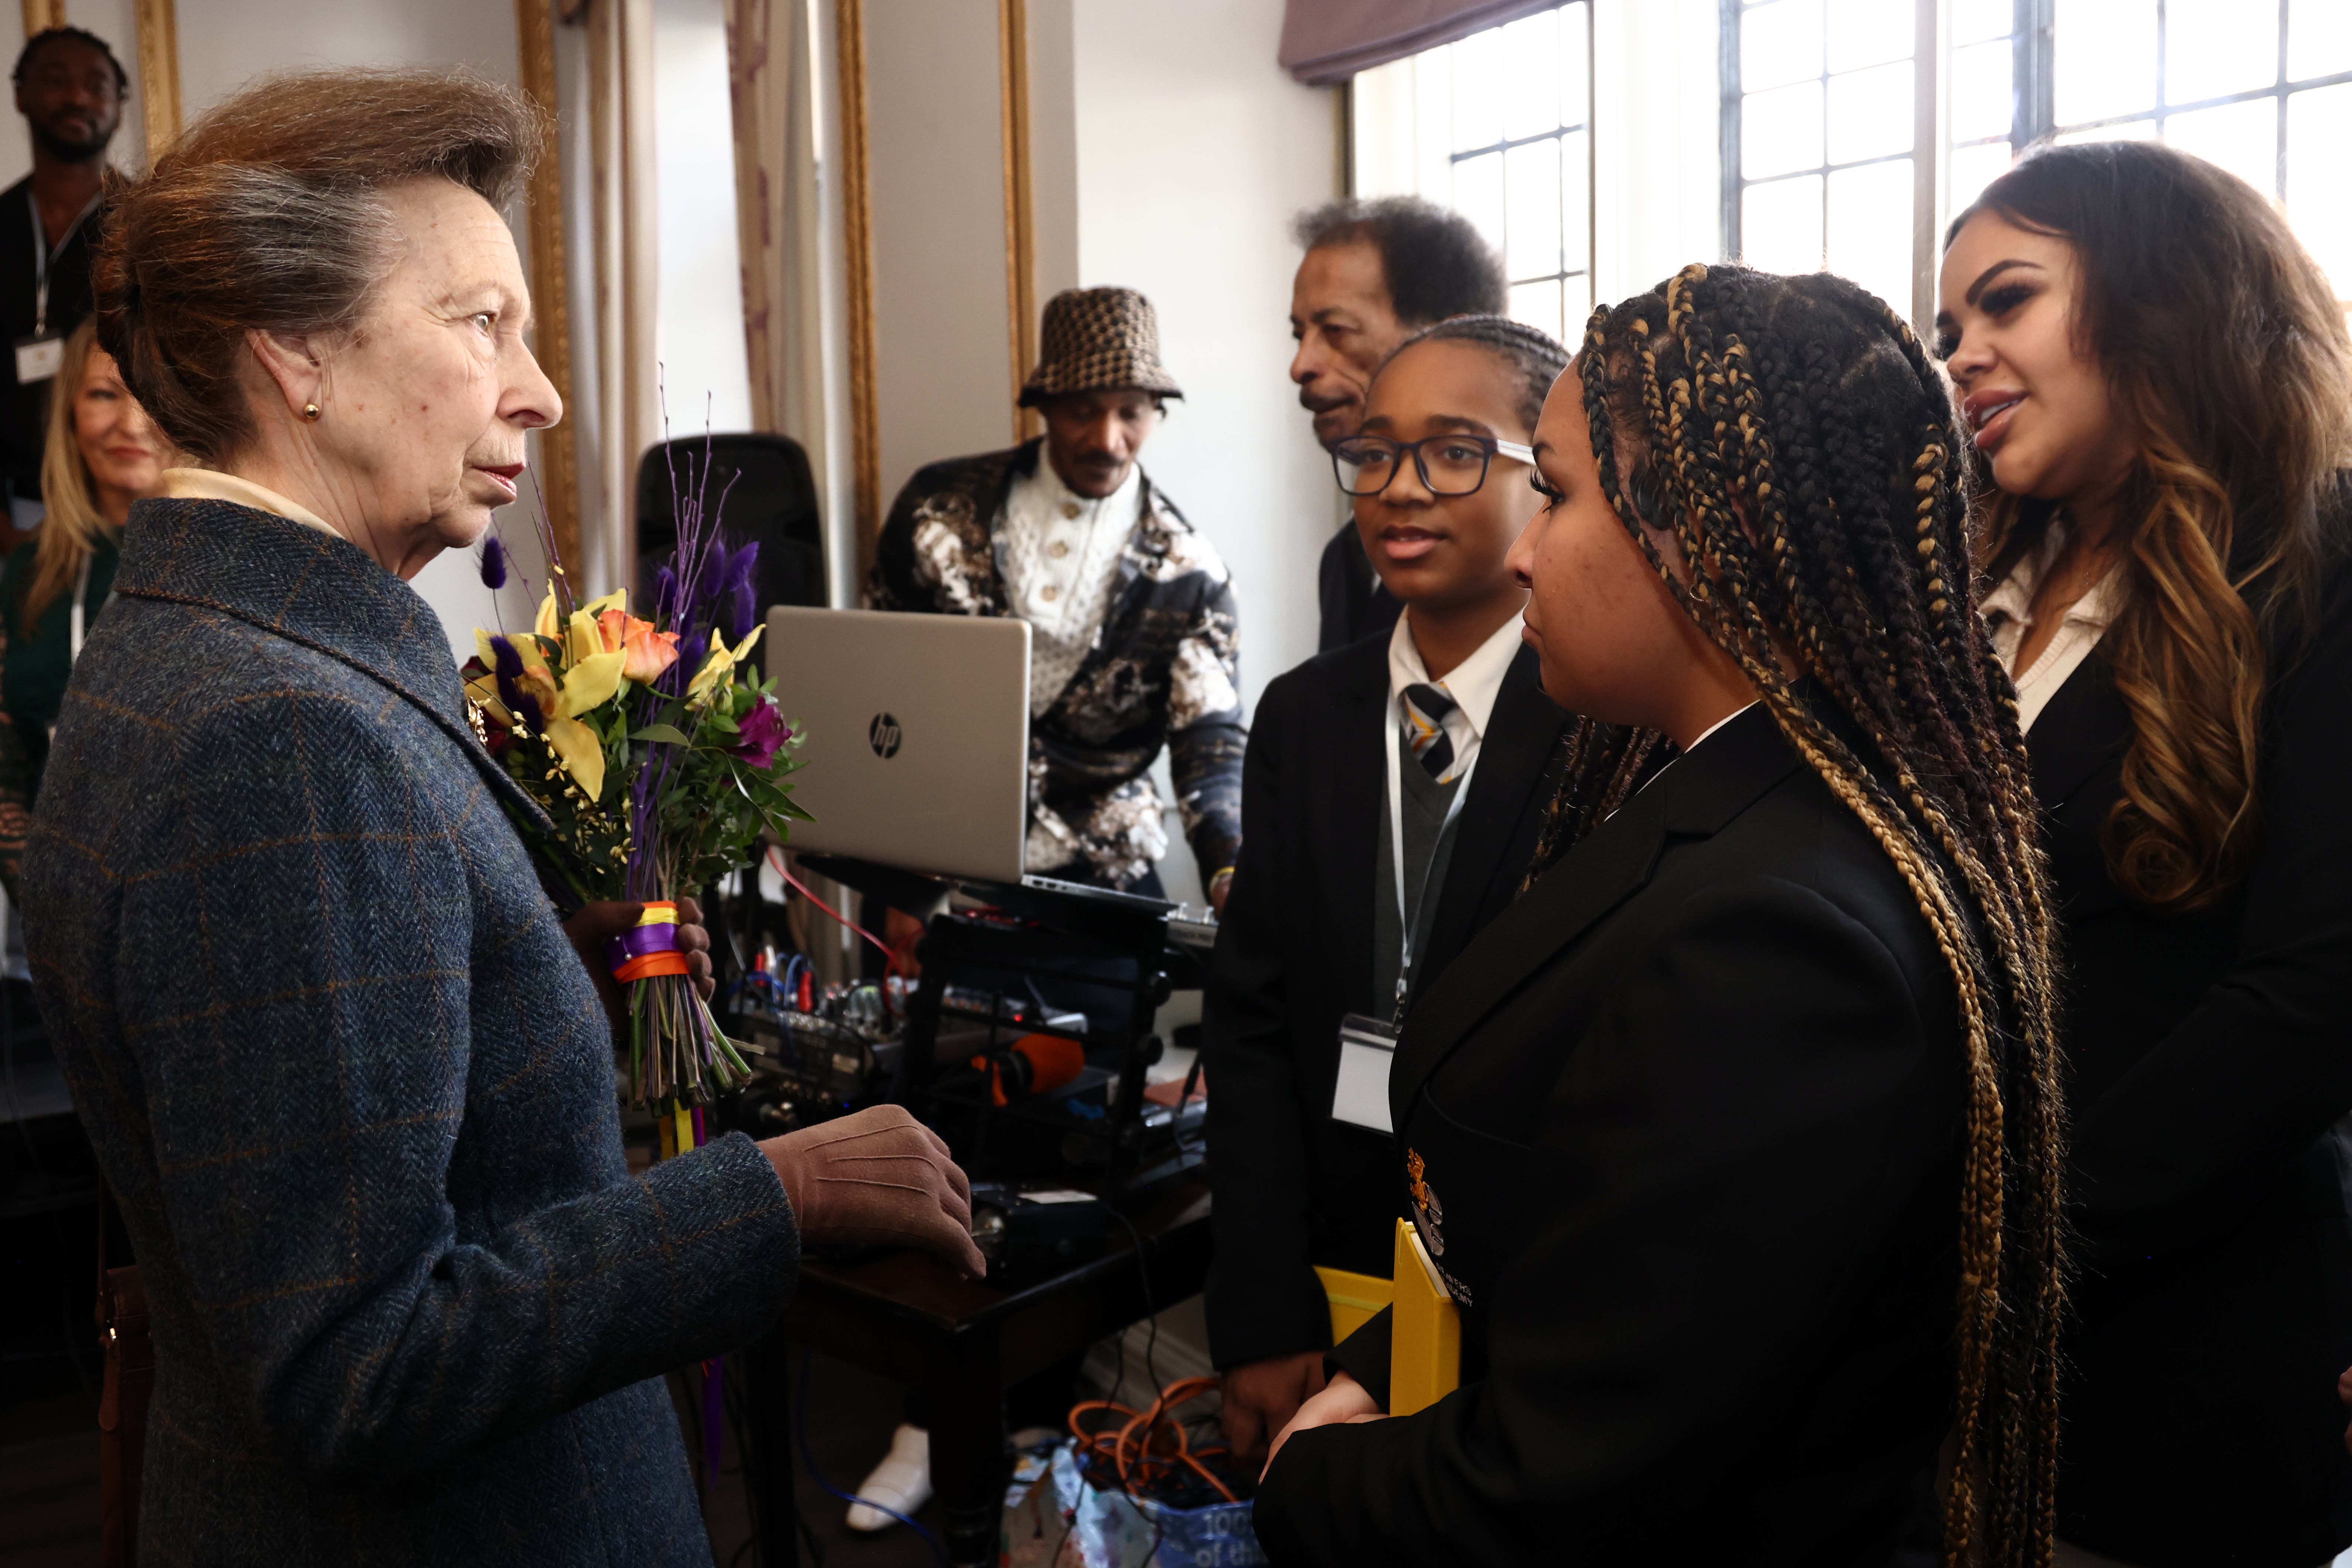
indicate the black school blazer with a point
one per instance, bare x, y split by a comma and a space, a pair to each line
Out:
1686, 1120
1292, 1187
2210, 1062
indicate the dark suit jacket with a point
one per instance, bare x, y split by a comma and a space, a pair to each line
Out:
353, 1089
1687, 1123
1294, 955
1354, 601
2212, 1067
26, 418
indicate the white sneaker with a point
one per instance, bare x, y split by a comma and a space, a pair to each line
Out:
901, 1483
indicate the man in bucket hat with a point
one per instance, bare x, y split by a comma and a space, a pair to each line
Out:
1134, 638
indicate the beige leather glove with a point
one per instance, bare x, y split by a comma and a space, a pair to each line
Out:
879, 1177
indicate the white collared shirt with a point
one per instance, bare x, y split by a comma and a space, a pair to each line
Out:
2009, 616
1059, 554
1472, 684
210, 484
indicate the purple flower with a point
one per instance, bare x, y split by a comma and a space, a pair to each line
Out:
494, 563
743, 594
664, 595
690, 650
710, 582
760, 733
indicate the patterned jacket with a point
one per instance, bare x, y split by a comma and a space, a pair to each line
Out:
1165, 668
355, 1093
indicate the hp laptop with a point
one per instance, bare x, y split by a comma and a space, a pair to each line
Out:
918, 748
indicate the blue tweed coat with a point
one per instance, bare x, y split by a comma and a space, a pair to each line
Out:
355, 1092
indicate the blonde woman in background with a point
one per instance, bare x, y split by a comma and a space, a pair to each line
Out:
102, 454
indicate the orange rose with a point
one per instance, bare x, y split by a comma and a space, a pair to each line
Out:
649, 652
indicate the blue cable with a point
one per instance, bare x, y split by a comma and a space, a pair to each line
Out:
808, 1462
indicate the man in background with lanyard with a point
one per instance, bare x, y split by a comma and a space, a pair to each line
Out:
70, 90
1391, 798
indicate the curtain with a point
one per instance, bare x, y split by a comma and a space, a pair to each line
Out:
1327, 41
789, 218
628, 258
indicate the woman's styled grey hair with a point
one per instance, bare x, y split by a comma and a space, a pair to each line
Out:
268, 214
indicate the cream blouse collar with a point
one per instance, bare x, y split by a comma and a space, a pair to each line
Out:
208, 484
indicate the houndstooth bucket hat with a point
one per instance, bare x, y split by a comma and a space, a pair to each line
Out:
1096, 339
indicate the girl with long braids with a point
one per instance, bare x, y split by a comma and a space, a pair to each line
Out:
2159, 385
1736, 1137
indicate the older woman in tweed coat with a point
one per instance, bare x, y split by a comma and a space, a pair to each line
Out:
348, 1078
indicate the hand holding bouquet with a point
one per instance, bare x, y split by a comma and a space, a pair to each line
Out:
660, 759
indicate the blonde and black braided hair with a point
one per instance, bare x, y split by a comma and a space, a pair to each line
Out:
1793, 438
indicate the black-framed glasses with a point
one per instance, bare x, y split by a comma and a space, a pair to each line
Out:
1454, 464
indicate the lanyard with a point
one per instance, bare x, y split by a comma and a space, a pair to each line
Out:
43, 255
1396, 850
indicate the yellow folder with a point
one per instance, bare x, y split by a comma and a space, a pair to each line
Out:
1426, 1329
1356, 1298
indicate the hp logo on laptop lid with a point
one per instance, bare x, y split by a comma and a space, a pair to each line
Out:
883, 735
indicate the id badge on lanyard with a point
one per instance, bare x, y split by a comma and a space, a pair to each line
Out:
1367, 1046
42, 355
1360, 1097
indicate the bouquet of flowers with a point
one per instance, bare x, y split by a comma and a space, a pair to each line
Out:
660, 759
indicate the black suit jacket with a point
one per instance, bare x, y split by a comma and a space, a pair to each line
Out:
1354, 601
1293, 1188
26, 421
2212, 1067
1687, 1121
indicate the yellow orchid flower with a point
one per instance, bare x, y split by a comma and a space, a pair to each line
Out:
617, 600
536, 678
547, 625
591, 681
583, 755
718, 666
484, 691
581, 641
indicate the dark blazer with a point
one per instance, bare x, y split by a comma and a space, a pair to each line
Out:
1684, 1126
2211, 1071
1294, 1188
25, 417
353, 1089
1353, 602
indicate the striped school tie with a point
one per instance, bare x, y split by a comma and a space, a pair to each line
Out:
1425, 708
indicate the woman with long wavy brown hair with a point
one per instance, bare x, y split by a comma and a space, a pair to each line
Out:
2158, 382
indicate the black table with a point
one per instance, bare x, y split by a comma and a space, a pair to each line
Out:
963, 1343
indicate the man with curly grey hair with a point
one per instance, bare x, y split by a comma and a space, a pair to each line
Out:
1375, 272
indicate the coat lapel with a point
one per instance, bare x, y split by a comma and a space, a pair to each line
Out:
315, 589
1694, 798
2083, 725
1522, 738
1357, 773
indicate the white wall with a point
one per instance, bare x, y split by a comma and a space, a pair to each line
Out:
935, 161
1196, 149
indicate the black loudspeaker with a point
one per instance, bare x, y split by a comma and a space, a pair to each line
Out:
759, 487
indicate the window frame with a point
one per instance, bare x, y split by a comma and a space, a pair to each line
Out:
1584, 265
2032, 117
